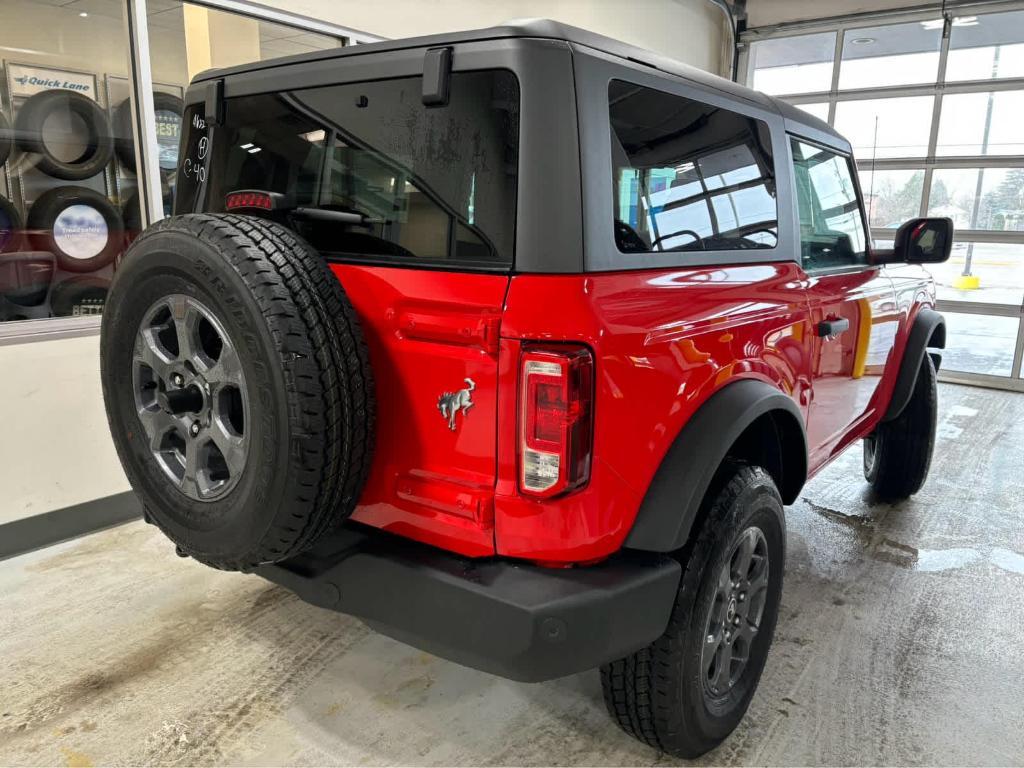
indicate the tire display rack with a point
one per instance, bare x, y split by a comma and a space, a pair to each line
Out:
37, 279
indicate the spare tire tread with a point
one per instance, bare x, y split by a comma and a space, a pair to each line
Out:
350, 411
310, 317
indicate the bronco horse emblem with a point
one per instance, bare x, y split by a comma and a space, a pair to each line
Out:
450, 403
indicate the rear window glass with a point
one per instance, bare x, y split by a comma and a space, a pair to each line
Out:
688, 176
414, 183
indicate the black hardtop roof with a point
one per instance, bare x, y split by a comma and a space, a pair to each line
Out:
552, 30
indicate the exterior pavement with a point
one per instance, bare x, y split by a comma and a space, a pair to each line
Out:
899, 642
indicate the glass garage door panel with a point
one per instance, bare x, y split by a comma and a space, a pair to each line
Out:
800, 64
998, 267
892, 196
990, 199
986, 47
819, 109
979, 343
895, 54
880, 128
987, 123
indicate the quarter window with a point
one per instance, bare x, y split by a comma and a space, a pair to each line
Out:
832, 232
688, 176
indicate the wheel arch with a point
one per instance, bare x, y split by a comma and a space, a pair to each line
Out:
928, 330
749, 420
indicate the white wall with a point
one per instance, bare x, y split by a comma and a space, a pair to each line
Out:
689, 30
56, 449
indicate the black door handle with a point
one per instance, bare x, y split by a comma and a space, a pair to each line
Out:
833, 327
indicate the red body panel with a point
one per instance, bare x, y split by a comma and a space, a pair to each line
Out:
663, 341
847, 370
428, 331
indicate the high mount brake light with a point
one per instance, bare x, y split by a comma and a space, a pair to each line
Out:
249, 198
556, 433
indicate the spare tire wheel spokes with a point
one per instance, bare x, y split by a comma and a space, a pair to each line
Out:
191, 396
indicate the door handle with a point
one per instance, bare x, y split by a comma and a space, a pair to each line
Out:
833, 327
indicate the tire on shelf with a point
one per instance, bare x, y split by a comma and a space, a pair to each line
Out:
29, 131
81, 227
11, 233
238, 388
25, 277
79, 295
6, 139
166, 106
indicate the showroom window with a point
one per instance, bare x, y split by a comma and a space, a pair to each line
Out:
931, 104
70, 200
65, 191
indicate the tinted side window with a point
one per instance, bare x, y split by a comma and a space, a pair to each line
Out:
688, 176
411, 182
832, 232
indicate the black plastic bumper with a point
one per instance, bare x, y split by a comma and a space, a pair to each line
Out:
515, 620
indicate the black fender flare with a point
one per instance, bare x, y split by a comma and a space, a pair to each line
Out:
928, 330
670, 506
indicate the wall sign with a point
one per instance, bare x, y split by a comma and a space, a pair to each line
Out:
27, 81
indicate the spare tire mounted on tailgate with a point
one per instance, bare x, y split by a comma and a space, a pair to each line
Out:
238, 388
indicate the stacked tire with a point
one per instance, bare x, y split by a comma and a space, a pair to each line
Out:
60, 256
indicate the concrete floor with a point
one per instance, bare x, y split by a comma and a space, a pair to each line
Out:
900, 642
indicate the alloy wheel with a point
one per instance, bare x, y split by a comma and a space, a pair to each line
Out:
735, 615
190, 397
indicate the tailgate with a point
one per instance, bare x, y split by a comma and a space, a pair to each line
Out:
434, 466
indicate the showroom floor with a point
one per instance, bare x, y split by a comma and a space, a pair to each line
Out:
898, 643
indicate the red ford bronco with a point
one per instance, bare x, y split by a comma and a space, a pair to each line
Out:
514, 343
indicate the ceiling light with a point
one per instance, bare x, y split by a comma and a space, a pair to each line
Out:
863, 40
83, 14
254, 150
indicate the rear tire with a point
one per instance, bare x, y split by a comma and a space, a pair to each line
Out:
238, 388
680, 694
898, 454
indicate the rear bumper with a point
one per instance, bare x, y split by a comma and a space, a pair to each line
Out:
510, 619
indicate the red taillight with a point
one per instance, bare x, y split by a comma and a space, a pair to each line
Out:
556, 395
249, 199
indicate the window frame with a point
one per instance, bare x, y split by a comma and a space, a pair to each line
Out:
594, 73
851, 167
706, 195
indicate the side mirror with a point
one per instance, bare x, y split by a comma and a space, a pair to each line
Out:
919, 241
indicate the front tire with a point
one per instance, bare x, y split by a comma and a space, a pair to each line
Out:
688, 690
898, 454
